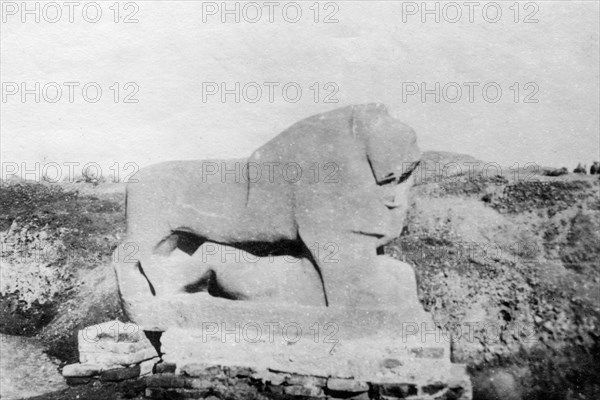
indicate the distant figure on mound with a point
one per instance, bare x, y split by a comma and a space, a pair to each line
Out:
301, 221
557, 172
580, 169
595, 168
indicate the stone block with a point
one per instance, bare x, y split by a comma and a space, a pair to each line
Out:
199, 370
114, 343
428, 352
305, 391
109, 345
365, 345
347, 385
164, 367
273, 378
115, 331
147, 367
397, 390
120, 374
110, 358
433, 388
239, 372
166, 380
131, 388
162, 393
81, 370
75, 381
304, 380
199, 383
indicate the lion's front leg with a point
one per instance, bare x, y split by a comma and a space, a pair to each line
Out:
355, 276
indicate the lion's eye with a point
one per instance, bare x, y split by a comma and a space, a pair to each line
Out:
409, 172
388, 179
404, 176
392, 178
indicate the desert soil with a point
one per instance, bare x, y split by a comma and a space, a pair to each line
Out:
25, 370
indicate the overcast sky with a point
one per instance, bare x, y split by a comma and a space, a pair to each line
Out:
170, 61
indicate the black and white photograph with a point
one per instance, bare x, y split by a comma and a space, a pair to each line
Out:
300, 200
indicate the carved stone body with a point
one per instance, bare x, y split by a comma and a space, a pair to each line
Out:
300, 221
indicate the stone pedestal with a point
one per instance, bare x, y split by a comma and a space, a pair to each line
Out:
303, 351
240, 350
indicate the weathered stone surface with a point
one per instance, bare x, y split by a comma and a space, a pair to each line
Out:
114, 343
114, 331
81, 370
161, 393
239, 372
307, 391
278, 390
391, 363
75, 380
433, 388
429, 352
199, 383
397, 390
109, 358
201, 370
358, 343
272, 378
388, 360
166, 380
163, 367
303, 380
221, 381
120, 374
360, 396
147, 367
347, 385
108, 345
300, 314
131, 388
459, 383
371, 156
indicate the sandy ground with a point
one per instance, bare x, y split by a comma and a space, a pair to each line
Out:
25, 370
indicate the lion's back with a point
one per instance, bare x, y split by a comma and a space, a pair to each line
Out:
178, 190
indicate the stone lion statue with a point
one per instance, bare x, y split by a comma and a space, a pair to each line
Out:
302, 220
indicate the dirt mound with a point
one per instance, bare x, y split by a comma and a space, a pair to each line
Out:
553, 196
509, 270
56, 251
448, 157
25, 370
